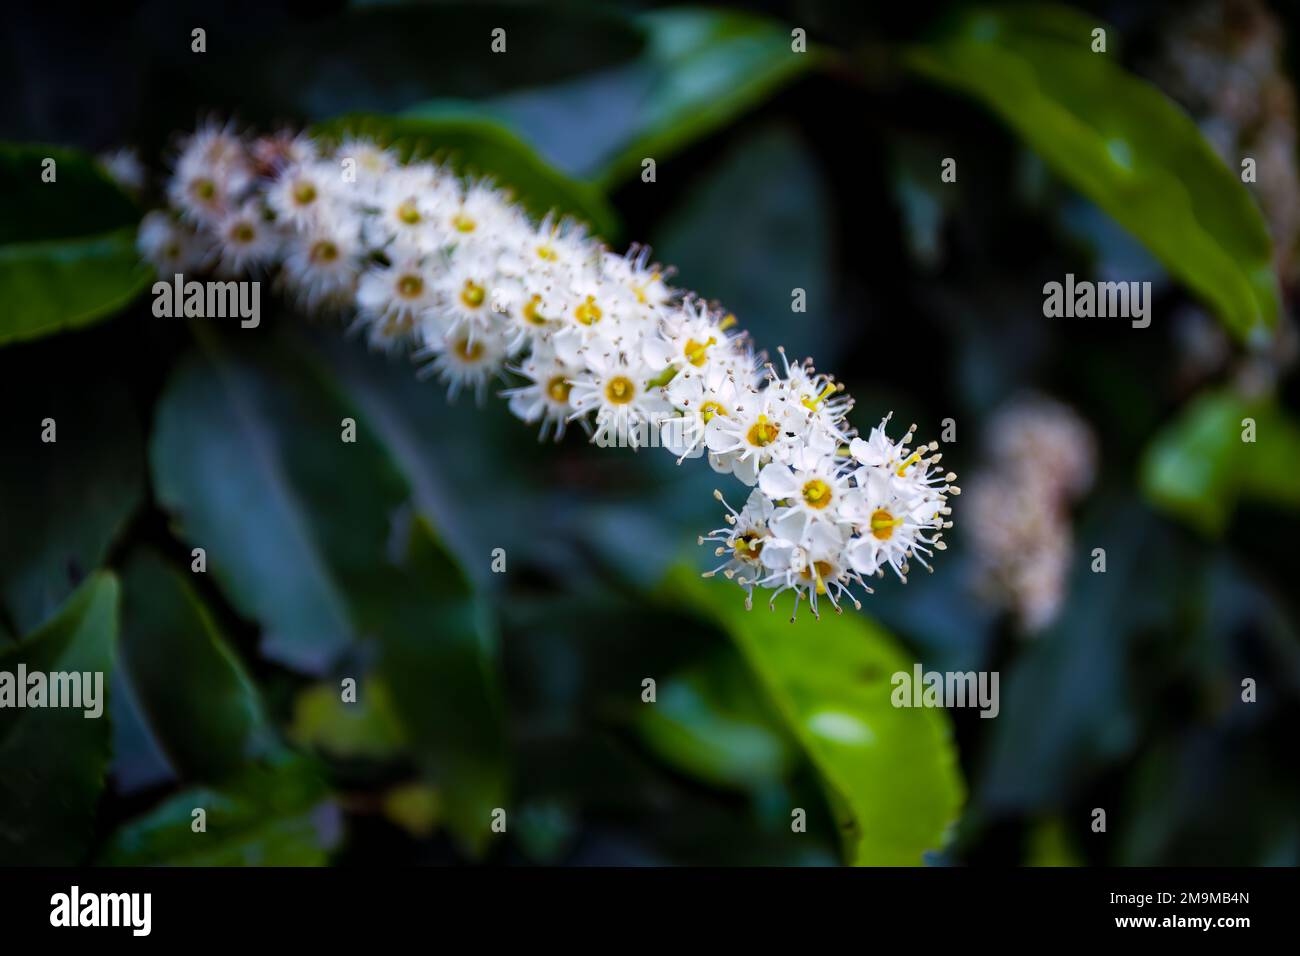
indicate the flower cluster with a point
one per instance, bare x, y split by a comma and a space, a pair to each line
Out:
459, 275
1043, 457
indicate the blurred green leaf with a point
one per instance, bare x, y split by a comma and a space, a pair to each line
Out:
367, 728
278, 815
62, 509
1198, 467
1121, 142
415, 807
437, 656
192, 690
740, 241
54, 758
890, 774
711, 722
707, 66
67, 248
248, 458
699, 69
313, 538
381, 59
478, 146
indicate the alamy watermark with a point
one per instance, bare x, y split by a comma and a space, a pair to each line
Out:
208, 300
1100, 300
946, 689
82, 690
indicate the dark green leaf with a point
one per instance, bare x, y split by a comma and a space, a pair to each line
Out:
70, 499
199, 703
890, 774
67, 247
437, 656
247, 455
1118, 140
54, 758
269, 816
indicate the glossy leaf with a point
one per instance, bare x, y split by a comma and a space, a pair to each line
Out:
1119, 141
67, 247
54, 758
890, 774
200, 705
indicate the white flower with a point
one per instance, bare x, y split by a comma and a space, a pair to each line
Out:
743, 442
321, 268
811, 482
627, 413
464, 363
392, 299
174, 247
246, 239
547, 396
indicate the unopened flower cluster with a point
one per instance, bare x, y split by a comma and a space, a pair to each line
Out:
456, 273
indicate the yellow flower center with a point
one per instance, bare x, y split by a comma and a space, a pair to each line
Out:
816, 493
812, 403
558, 389
546, 252
620, 390
697, 352
409, 286
531, 315
588, 312
883, 524
304, 194
243, 232
409, 213
748, 546
323, 251
467, 352
472, 294
820, 571
762, 433
709, 409
204, 189
463, 223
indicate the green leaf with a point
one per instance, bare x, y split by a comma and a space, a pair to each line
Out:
61, 511
478, 146
1199, 466
247, 456
200, 705
54, 758
278, 815
748, 245
67, 247
310, 536
711, 722
1119, 141
437, 651
366, 728
702, 68
699, 69
890, 774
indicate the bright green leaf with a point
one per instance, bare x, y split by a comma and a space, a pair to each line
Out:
1199, 466
1119, 141
53, 759
67, 248
199, 703
365, 728
711, 722
890, 774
